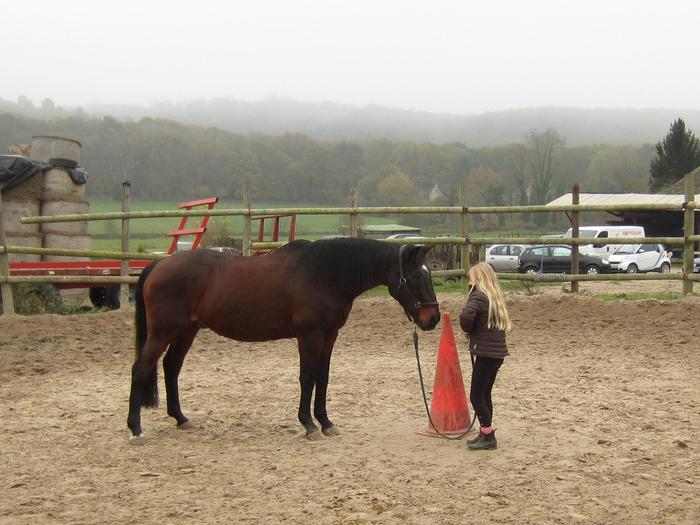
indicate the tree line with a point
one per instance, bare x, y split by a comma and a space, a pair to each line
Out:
167, 160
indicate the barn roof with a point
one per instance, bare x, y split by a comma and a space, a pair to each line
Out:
622, 198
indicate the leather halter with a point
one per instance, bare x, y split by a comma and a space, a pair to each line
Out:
402, 281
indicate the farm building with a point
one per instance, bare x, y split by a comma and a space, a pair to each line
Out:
436, 194
656, 223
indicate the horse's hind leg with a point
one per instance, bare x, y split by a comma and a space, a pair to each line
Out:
172, 364
320, 412
143, 379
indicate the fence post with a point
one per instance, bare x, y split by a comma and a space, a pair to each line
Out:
247, 221
464, 232
575, 195
688, 229
8, 302
354, 217
126, 204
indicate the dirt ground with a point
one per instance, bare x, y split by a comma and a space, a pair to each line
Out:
597, 412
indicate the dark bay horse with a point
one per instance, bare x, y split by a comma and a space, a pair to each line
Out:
303, 290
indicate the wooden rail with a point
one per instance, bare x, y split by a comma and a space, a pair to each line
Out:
464, 240
369, 210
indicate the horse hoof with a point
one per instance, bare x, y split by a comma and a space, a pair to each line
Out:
137, 440
331, 431
185, 425
314, 436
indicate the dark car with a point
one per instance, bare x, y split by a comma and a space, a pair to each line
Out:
696, 265
556, 258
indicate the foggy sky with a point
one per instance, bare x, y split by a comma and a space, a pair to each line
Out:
436, 55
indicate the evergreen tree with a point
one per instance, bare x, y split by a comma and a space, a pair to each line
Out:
676, 156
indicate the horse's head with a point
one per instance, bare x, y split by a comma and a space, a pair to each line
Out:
410, 284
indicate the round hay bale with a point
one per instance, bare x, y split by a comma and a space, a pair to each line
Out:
12, 213
58, 186
31, 189
45, 148
31, 240
64, 208
66, 242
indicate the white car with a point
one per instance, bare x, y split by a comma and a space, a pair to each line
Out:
504, 257
633, 258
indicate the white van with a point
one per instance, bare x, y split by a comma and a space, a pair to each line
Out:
602, 232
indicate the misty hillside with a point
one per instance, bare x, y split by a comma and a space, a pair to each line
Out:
328, 121
337, 122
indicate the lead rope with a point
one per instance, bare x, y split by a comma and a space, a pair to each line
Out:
425, 399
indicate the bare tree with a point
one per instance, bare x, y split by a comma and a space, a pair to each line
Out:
516, 174
543, 165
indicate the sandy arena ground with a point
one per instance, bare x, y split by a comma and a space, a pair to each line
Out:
597, 413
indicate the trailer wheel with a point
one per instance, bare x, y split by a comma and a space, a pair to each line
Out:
112, 297
105, 296
98, 296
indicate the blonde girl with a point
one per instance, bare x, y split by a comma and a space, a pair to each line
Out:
484, 319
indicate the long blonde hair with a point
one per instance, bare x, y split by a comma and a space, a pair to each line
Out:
483, 277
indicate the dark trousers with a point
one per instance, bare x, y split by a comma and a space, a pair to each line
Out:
483, 376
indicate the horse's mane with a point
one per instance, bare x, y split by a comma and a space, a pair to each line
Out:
347, 265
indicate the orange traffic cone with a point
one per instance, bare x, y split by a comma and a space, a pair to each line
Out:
449, 411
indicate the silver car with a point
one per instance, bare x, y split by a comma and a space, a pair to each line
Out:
504, 257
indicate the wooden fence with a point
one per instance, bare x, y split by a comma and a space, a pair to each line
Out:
464, 241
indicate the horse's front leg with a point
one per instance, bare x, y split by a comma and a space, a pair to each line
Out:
310, 348
320, 412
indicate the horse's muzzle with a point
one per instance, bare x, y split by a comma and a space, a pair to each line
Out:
428, 318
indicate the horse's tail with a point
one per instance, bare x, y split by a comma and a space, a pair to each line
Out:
150, 395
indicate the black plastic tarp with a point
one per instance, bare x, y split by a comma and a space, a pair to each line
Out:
15, 169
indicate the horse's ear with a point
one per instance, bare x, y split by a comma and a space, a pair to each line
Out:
416, 252
426, 249
410, 252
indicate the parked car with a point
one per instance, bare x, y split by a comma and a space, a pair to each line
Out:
504, 257
696, 265
402, 235
633, 258
556, 258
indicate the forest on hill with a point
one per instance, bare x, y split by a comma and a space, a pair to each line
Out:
337, 122
168, 160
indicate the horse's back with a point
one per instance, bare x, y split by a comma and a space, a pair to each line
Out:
198, 270
244, 298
